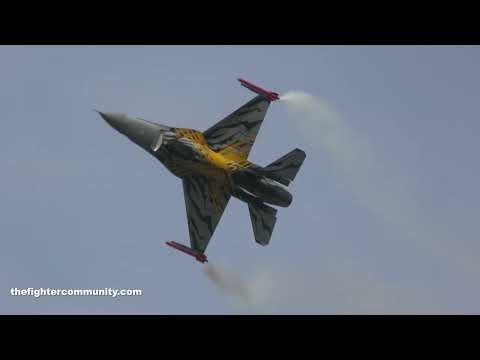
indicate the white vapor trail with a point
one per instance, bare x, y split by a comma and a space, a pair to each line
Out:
357, 167
333, 288
353, 160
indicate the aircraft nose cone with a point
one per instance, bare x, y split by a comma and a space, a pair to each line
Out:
114, 119
118, 121
138, 130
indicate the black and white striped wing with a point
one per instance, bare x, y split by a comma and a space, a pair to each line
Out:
205, 201
263, 219
238, 130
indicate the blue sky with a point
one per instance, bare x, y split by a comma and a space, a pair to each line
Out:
82, 207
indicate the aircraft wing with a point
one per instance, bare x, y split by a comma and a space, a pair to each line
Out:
205, 201
234, 135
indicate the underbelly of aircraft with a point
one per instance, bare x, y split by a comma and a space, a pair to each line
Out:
185, 158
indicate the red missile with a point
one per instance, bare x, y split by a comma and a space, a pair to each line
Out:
197, 255
270, 95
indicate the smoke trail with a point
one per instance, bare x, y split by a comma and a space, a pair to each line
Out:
334, 288
259, 291
353, 160
229, 282
357, 167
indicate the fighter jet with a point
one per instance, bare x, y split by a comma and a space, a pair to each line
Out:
213, 166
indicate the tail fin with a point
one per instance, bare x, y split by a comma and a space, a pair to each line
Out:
263, 221
286, 168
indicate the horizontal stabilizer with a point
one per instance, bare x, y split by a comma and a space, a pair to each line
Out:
263, 221
286, 168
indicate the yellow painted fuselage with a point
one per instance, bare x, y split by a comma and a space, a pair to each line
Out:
189, 154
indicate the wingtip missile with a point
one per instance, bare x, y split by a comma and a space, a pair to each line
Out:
189, 251
270, 95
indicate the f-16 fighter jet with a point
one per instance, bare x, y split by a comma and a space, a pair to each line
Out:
213, 166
